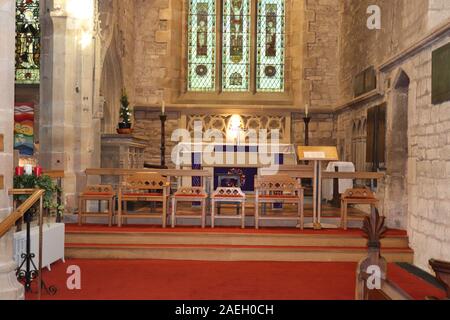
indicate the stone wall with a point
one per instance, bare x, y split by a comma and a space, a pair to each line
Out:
321, 27
428, 164
148, 125
321, 130
152, 52
414, 193
402, 22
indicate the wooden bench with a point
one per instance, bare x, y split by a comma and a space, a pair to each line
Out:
356, 196
279, 189
190, 194
145, 187
442, 271
100, 193
232, 195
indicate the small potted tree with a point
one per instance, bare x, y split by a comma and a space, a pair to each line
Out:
125, 115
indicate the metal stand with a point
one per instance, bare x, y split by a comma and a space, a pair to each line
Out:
307, 120
27, 271
317, 200
163, 119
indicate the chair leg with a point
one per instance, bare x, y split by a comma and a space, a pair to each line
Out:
164, 213
342, 214
213, 213
173, 212
345, 215
203, 214
256, 215
119, 212
80, 211
300, 213
243, 215
110, 211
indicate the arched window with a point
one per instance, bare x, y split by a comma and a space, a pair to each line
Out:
251, 36
28, 44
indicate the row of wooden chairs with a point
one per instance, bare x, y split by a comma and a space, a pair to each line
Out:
152, 187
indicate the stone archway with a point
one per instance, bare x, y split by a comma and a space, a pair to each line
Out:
397, 153
111, 86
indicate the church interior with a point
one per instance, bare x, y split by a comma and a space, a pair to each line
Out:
225, 149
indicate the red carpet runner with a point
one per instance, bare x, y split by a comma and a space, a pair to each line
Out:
182, 280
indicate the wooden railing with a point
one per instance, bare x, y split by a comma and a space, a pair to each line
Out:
35, 196
10, 221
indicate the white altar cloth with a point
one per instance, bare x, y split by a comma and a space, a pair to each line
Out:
344, 184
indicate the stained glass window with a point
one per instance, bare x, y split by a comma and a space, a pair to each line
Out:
270, 43
28, 44
236, 45
202, 45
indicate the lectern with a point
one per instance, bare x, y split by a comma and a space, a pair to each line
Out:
317, 155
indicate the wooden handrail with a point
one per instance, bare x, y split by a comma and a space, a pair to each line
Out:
10, 220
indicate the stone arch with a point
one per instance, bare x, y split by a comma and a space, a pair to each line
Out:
397, 152
111, 85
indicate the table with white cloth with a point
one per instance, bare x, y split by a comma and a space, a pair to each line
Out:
344, 184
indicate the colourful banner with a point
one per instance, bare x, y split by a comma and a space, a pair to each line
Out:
24, 128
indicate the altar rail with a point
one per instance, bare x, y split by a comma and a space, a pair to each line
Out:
205, 176
307, 172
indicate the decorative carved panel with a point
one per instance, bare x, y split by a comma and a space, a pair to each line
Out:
221, 122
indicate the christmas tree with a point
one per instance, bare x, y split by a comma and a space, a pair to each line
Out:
125, 113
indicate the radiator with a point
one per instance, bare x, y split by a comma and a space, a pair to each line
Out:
52, 248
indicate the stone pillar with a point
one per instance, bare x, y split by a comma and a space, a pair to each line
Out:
69, 134
10, 288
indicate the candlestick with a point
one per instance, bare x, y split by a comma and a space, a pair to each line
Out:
163, 119
307, 120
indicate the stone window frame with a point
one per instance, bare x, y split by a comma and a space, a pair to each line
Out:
279, 99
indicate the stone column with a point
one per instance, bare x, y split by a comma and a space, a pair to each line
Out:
10, 288
69, 134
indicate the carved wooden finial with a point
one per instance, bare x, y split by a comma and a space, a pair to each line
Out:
442, 270
374, 229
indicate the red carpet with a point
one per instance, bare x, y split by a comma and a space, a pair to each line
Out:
182, 280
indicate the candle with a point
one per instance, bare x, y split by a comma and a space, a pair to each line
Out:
38, 171
28, 169
306, 110
163, 107
19, 171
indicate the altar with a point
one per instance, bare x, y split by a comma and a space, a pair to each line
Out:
243, 160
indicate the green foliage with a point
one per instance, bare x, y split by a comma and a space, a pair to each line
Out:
125, 113
42, 182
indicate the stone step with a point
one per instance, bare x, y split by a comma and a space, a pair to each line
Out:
290, 237
229, 253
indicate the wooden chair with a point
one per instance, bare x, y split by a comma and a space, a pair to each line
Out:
356, 196
279, 189
231, 195
190, 194
100, 193
145, 187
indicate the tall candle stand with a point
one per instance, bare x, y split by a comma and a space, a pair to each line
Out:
163, 119
307, 120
